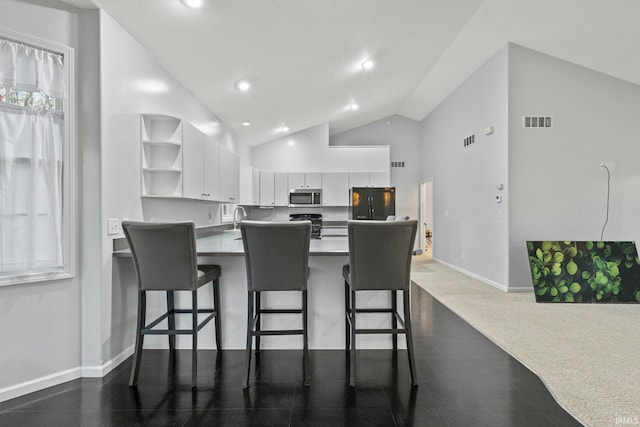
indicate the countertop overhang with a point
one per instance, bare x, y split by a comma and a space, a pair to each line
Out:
229, 242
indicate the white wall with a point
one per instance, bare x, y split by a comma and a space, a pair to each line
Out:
39, 323
132, 82
309, 151
402, 135
470, 230
557, 190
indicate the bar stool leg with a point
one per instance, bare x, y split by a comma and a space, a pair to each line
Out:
347, 314
137, 356
217, 319
352, 379
305, 338
409, 336
258, 318
194, 339
247, 355
171, 320
394, 320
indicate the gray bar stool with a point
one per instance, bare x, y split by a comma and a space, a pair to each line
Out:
277, 259
379, 259
165, 259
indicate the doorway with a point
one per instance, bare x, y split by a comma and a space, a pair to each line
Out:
426, 217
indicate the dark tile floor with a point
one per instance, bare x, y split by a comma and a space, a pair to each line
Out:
465, 380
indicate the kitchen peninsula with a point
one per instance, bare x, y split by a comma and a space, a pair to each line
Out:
326, 297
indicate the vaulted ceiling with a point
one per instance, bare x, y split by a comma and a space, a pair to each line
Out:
303, 57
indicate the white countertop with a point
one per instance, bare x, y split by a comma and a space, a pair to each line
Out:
229, 242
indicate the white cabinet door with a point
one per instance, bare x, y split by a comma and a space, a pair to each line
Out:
229, 176
267, 189
359, 179
249, 186
281, 189
296, 180
313, 180
211, 166
335, 189
379, 179
193, 166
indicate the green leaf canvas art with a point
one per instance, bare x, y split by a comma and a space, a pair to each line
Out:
590, 271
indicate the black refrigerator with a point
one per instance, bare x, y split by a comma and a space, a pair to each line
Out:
375, 203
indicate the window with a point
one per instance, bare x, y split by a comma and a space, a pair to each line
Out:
36, 160
226, 212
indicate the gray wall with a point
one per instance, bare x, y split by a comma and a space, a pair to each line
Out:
133, 82
470, 228
557, 191
39, 323
402, 135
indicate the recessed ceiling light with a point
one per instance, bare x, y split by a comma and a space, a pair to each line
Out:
367, 65
246, 123
194, 4
354, 107
243, 85
284, 129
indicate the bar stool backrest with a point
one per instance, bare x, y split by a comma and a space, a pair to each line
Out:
164, 254
276, 255
380, 254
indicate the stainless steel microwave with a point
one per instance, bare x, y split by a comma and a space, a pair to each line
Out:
304, 197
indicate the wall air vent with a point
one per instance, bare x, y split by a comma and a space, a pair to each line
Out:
536, 122
397, 164
469, 140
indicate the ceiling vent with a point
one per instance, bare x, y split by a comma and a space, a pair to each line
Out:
529, 122
397, 164
469, 140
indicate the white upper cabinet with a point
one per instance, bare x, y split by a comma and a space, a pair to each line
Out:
267, 188
313, 180
249, 186
281, 189
305, 180
192, 158
335, 189
359, 179
229, 176
380, 179
211, 168
161, 155
373, 179
201, 165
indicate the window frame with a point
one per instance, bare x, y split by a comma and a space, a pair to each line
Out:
69, 191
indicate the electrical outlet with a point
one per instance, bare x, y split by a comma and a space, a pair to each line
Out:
609, 165
114, 226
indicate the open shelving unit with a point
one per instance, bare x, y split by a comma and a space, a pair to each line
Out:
161, 155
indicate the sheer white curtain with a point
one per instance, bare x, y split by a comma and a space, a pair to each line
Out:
31, 163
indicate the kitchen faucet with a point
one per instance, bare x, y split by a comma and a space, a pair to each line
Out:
244, 216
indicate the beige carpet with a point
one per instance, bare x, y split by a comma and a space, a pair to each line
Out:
588, 355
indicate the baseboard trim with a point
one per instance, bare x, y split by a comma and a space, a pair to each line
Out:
58, 378
473, 275
37, 384
102, 370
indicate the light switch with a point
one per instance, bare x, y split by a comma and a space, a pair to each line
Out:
114, 226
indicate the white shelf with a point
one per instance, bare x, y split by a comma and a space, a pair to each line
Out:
161, 155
